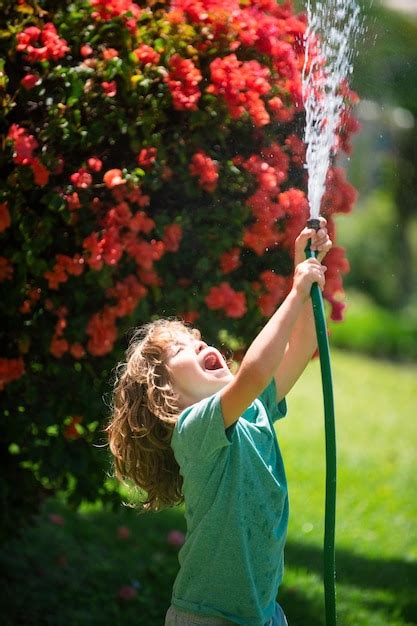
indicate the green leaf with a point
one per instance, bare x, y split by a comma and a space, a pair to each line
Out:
55, 202
159, 44
77, 89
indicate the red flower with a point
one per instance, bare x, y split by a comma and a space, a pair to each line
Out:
81, 178
224, 297
29, 81
118, 216
298, 149
336, 264
261, 236
95, 164
128, 293
58, 347
10, 369
110, 9
141, 222
189, 317
230, 260
5, 220
64, 266
146, 54
277, 288
110, 53
77, 351
206, 169
276, 158
86, 50
340, 195
112, 178
338, 308
236, 305
149, 277
49, 45
109, 88
265, 207
241, 84
293, 201
73, 201
56, 276
24, 144
40, 172
281, 112
172, 237
144, 252
147, 157
182, 80
94, 250
112, 246
348, 125
102, 332
6, 269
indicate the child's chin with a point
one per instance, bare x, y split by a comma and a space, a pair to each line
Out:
223, 380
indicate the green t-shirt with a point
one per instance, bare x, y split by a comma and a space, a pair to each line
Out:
236, 507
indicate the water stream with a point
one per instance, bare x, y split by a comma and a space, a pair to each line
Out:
332, 31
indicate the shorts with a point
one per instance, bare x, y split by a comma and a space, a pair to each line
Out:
177, 617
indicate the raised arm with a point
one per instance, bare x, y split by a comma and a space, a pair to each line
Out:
266, 352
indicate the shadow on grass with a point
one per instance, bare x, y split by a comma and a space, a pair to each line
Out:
396, 576
301, 610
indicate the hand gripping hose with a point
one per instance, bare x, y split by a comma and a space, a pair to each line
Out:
330, 437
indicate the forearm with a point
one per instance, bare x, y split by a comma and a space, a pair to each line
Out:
268, 348
303, 338
300, 349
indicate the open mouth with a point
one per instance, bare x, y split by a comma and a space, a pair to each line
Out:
212, 362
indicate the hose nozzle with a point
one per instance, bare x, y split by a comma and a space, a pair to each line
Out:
313, 223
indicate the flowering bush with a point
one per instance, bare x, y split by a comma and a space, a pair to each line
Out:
154, 166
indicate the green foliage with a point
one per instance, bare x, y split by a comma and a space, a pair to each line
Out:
372, 236
386, 73
385, 69
370, 329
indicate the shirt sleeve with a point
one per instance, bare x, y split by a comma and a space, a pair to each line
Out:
275, 410
200, 431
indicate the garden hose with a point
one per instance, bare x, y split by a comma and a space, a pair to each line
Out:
330, 437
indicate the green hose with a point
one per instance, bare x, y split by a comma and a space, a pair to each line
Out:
330, 436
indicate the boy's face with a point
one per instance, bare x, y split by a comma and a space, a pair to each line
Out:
197, 370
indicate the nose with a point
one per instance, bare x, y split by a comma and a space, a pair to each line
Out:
201, 345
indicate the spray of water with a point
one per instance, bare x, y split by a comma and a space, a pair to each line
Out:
333, 28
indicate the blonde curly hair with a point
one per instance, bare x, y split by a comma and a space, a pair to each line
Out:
145, 410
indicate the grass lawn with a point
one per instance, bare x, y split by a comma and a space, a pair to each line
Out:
97, 568
376, 534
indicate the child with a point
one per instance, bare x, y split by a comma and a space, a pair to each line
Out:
184, 428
